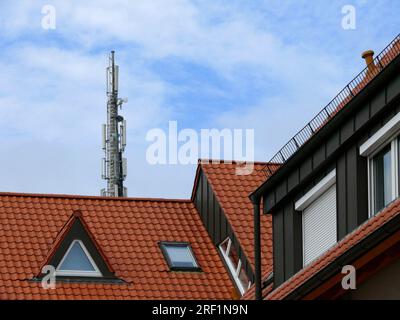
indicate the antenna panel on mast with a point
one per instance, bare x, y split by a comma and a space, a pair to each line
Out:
124, 167
104, 127
123, 135
112, 79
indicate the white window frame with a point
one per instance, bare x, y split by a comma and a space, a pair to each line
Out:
303, 230
235, 271
167, 245
395, 181
78, 273
386, 135
381, 137
313, 194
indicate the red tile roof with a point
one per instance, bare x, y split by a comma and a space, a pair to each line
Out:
336, 251
232, 192
127, 230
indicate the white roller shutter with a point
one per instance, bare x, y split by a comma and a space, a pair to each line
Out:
319, 225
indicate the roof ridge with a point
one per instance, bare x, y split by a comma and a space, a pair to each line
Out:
77, 196
223, 161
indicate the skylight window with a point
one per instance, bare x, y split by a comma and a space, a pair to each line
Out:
77, 262
179, 256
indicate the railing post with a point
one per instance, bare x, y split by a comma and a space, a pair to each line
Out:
312, 130
351, 91
359, 79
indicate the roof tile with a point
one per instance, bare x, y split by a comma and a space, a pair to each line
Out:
127, 230
232, 192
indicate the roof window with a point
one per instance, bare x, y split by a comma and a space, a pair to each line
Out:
179, 256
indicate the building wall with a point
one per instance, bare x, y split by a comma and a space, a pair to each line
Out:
337, 147
383, 285
215, 221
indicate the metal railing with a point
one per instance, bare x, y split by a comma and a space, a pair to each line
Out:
344, 96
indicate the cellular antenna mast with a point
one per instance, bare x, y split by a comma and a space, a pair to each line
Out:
114, 168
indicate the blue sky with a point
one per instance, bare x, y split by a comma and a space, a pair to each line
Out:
266, 65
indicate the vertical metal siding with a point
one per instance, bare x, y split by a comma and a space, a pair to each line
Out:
215, 221
369, 117
319, 223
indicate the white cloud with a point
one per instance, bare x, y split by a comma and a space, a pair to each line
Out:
52, 103
52, 99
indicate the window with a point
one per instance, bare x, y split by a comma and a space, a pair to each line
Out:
382, 184
179, 256
318, 207
235, 265
382, 150
382, 176
77, 262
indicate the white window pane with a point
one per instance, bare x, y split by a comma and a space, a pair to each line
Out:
76, 259
382, 178
243, 279
233, 257
180, 256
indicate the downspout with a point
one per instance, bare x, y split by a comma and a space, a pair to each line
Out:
257, 247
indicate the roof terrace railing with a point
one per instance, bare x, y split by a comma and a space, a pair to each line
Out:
344, 96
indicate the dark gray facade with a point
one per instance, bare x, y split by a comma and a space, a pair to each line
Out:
215, 221
335, 146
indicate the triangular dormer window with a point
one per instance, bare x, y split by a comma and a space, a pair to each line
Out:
76, 255
78, 262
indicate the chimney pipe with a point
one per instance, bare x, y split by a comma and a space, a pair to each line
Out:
368, 56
